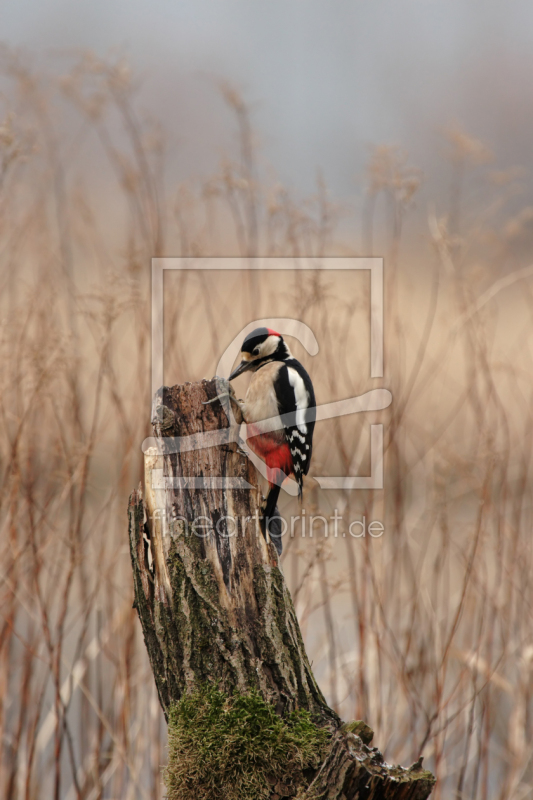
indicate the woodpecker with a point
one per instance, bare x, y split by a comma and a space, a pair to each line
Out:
281, 393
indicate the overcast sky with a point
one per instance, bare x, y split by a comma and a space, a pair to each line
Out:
324, 77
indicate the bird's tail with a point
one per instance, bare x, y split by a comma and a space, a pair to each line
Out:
271, 520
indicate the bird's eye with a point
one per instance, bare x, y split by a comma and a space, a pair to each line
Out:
256, 351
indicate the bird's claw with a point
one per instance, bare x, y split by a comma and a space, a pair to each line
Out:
231, 394
216, 397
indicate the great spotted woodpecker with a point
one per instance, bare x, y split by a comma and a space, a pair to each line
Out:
279, 411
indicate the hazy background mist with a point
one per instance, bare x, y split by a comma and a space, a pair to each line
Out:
324, 79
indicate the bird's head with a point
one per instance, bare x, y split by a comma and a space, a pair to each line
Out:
260, 346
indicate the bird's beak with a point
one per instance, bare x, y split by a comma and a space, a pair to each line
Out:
243, 366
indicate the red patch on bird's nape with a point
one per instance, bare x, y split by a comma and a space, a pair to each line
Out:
273, 333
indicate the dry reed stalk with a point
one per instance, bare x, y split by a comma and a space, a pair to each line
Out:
425, 632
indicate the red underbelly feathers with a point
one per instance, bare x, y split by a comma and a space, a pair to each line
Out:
272, 447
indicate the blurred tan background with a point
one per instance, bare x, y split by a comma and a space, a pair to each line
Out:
129, 131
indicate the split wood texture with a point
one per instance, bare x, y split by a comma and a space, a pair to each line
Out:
211, 595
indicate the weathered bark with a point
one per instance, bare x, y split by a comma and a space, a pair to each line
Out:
215, 606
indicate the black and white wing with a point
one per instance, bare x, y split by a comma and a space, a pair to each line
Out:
296, 401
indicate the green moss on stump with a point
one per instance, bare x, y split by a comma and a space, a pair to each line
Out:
237, 747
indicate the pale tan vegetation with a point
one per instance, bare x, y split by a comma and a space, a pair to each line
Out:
426, 633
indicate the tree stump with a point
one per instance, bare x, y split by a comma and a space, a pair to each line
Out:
212, 599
